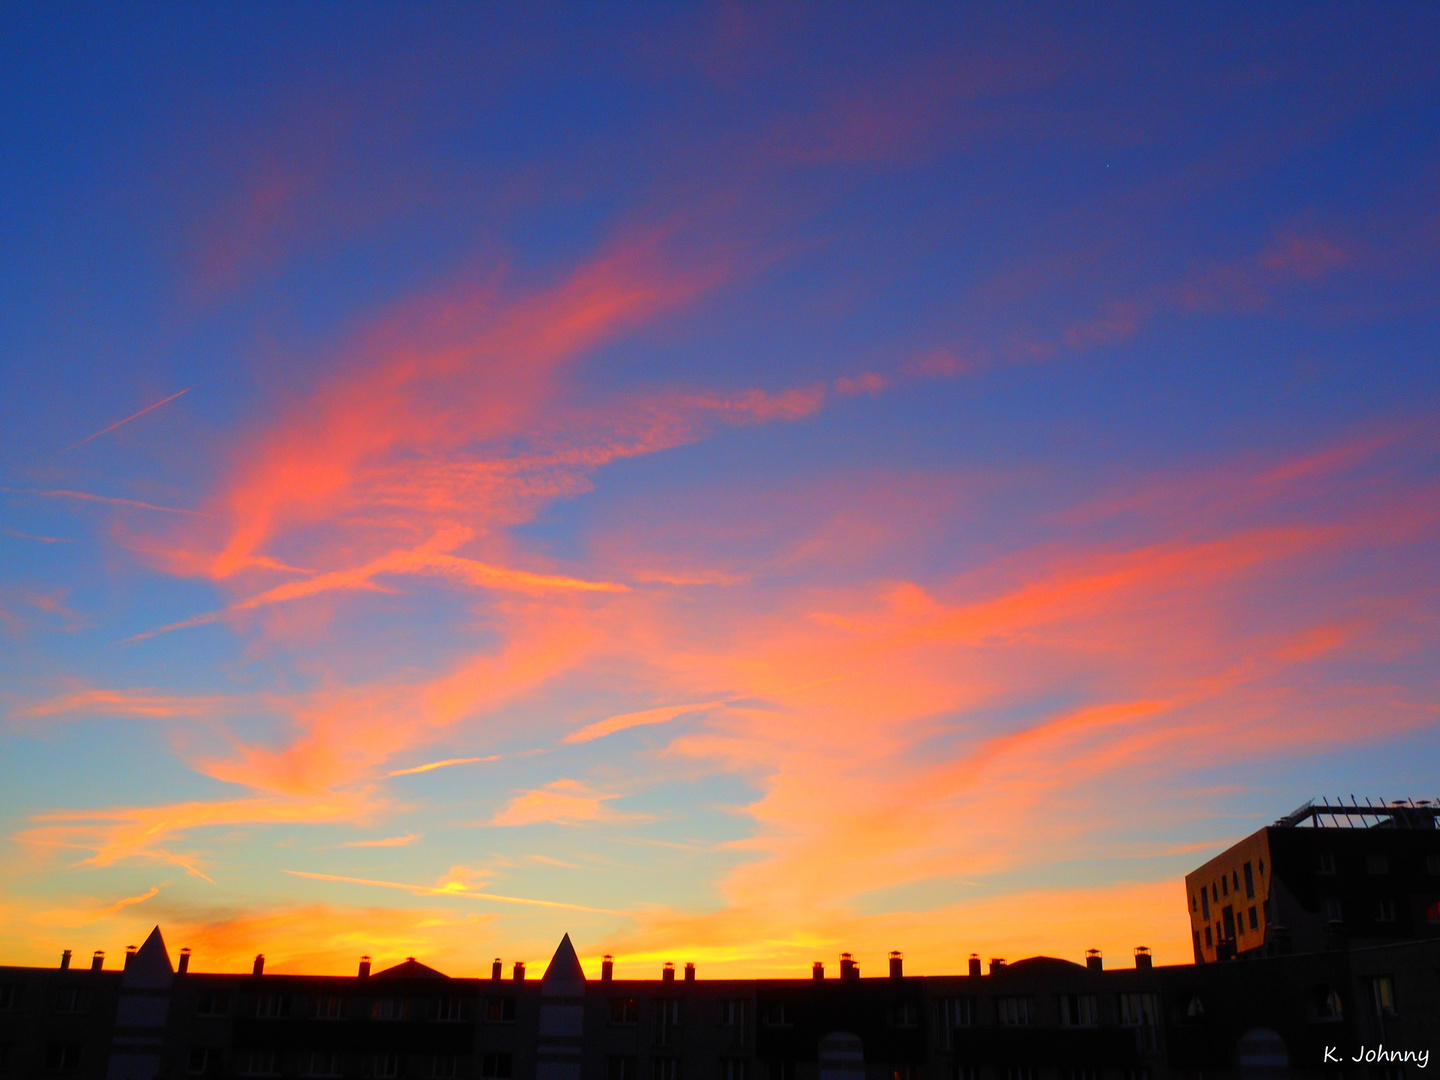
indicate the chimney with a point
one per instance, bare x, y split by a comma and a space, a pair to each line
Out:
497, 970
1093, 960
1142, 958
667, 973
364, 967
65, 960
129, 955
184, 961
690, 972
607, 968
519, 974
997, 964
817, 970
897, 966
974, 965
98, 960
259, 968
848, 968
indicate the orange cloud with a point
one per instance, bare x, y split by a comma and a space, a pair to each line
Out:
663, 715
563, 802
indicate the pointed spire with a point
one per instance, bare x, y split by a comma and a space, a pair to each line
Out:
150, 966
564, 975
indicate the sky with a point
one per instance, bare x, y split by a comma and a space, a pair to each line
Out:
735, 483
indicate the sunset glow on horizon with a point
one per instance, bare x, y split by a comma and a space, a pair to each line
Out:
734, 484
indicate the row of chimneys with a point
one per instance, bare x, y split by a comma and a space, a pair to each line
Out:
848, 968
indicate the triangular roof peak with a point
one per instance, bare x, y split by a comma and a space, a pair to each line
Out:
150, 966
410, 969
564, 965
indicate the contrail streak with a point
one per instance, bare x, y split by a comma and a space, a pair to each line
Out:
127, 419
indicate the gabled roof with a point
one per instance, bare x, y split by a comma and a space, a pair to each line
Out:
564, 965
150, 966
410, 969
1040, 963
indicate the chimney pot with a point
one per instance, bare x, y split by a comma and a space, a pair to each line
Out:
497, 970
997, 963
848, 967
975, 965
184, 961
817, 971
690, 972
607, 968
897, 966
1093, 960
259, 968
97, 962
364, 967
667, 973
1142, 957
130, 951
65, 960
519, 973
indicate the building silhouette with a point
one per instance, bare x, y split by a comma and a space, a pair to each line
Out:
1369, 873
1268, 1012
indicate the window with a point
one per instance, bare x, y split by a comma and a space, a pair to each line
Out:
1013, 1010
1205, 904
1327, 1004
1078, 1010
734, 1069
1432, 864
72, 999
782, 1070
327, 1008
259, 1063
1137, 1010
1235, 879
389, 1009
732, 1013
448, 1009
442, 1066
212, 1003
1333, 911
1432, 912
1081, 1073
500, 1010
320, 1063
204, 1061
624, 1011
62, 1057
382, 1065
903, 1014
1377, 863
9, 998
778, 1015
1249, 883
1194, 1010
1224, 885
1254, 918
954, 1012
495, 1066
667, 1021
1385, 911
1209, 938
268, 1006
964, 1072
1326, 864
1194, 904
1382, 994
905, 1072
668, 1068
620, 1067
1019, 1072
1261, 867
